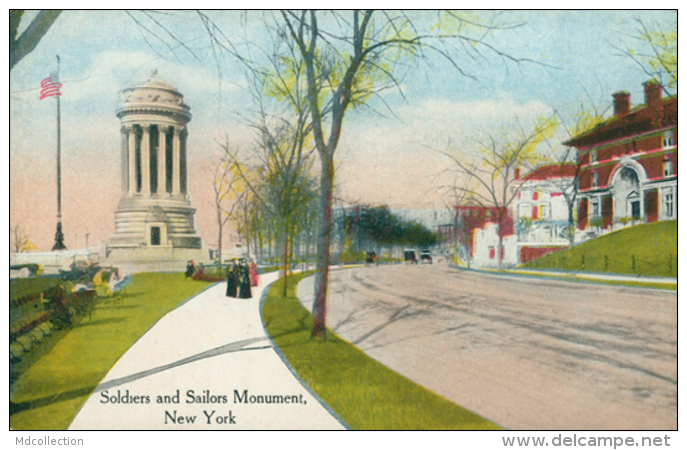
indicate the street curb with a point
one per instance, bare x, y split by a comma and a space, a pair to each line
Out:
288, 365
577, 277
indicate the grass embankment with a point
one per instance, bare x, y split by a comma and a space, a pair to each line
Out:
364, 393
648, 250
65, 370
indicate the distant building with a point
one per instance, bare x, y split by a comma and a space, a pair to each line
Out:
538, 222
472, 218
543, 219
628, 164
449, 238
485, 247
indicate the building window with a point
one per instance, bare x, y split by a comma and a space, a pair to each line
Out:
595, 179
668, 139
595, 210
592, 155
634, 205
667, 167
545, 211
492, 252
668, 199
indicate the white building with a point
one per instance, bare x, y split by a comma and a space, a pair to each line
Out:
541, 207
542, 223
486, 248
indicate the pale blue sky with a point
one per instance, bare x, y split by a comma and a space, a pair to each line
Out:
104, 52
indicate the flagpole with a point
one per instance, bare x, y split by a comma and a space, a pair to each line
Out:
59, 236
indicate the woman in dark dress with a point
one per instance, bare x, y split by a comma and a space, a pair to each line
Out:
231, 281
244, 290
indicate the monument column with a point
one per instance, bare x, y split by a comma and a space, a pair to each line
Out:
125, 159
176, 160
131, 134
161, 162
183, 172
145, 161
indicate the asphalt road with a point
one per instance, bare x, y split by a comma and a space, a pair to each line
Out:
525, 353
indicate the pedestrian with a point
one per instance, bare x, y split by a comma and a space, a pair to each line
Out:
244, 289
254, 277
189, 269
231, 281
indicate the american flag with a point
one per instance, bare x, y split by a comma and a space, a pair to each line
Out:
50, 87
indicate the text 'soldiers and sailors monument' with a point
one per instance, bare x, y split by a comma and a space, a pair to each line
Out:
154, 219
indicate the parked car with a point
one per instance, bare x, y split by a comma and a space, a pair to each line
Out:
371, 259
426, 256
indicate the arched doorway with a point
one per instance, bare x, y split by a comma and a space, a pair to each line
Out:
626, 192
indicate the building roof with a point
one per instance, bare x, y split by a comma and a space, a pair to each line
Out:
550, 171
641, 119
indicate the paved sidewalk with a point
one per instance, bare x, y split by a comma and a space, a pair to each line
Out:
211, 360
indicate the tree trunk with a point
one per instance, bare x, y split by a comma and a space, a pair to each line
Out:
500, 246
500, 250
323, 250
286, 261
571, 219
247, 239
219, 238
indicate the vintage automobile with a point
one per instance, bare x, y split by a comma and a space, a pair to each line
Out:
426, 256
410, 256
371, 259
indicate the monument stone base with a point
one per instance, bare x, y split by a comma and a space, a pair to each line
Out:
169, 259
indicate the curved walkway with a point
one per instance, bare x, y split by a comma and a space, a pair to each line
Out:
207, 365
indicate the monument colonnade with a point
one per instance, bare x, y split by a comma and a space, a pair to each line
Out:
154, 156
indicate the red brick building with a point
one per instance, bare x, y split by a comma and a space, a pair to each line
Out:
471, 218
628, 165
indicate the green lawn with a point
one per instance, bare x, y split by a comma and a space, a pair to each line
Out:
62, 372
648, 249
364, 393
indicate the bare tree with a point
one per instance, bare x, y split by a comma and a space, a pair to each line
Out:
654, 48
246, 206
19, 240
285, 187
241, 192
224, 199
346, 58
489, 174
283, 151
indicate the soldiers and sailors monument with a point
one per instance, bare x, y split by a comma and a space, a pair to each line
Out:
154, 223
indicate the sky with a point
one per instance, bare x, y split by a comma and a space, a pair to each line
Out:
390, 152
